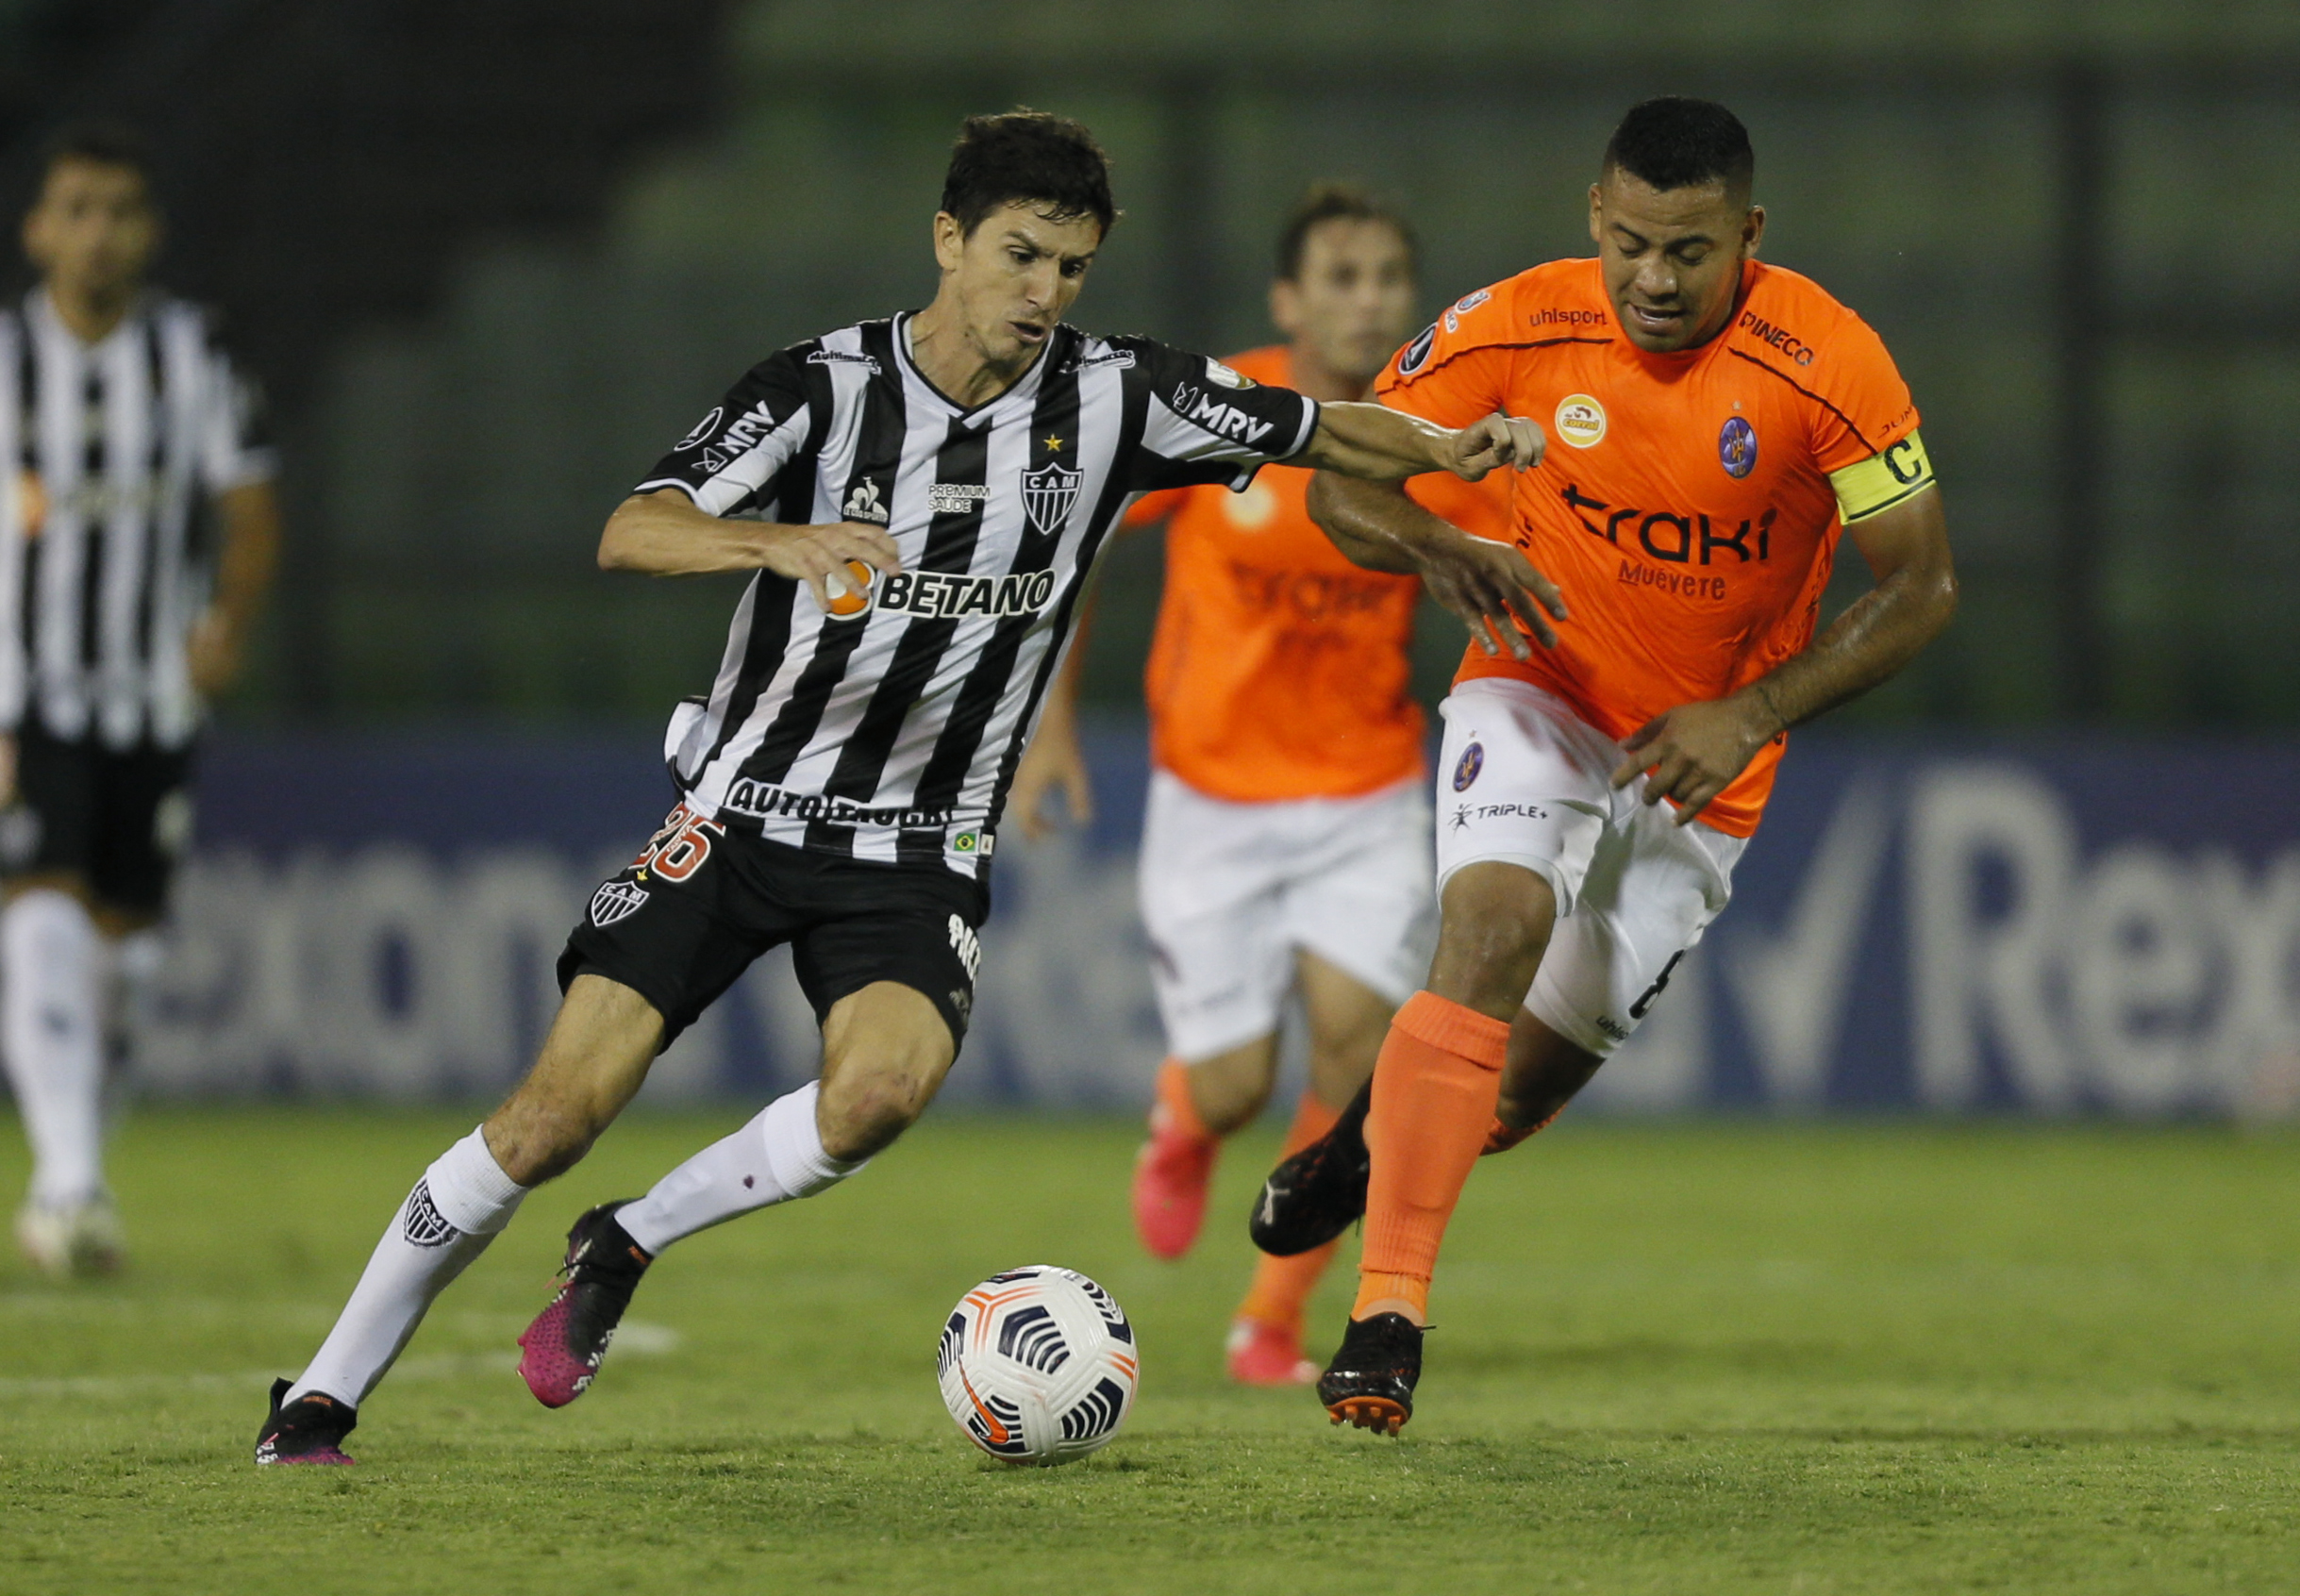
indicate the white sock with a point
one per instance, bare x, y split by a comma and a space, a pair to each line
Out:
51, 1029
131, 973
448, 1220
777, 1157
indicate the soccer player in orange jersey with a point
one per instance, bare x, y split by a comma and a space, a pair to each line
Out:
1714, 424
1285, 850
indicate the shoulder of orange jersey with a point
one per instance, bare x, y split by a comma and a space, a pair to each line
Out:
1865, 422
1539, 303
1459, 366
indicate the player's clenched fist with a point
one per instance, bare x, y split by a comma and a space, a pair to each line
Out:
834, 559
1495, 441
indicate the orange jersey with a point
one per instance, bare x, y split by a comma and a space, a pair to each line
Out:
1689, 504
1280, 669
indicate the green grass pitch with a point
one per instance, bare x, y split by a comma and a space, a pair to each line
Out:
1670, 1359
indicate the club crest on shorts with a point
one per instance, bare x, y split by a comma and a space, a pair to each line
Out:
1465, 769
1047, 495
1736, 447
617, 900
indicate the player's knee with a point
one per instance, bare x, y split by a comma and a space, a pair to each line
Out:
535, 1142
857, 1118
1494, 927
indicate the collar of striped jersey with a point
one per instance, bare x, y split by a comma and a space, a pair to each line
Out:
1023, 388
40, 311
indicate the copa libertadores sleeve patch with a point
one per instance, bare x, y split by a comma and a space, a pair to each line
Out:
1883, 480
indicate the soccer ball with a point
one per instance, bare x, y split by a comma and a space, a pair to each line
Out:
1037, 1365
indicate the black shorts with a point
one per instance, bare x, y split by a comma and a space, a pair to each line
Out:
119, 819
703, 900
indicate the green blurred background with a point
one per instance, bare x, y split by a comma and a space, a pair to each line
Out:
493, 258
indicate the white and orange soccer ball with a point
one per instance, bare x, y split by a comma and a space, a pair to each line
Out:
1037, 1365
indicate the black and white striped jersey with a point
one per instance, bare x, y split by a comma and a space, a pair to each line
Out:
111, 453
892, 733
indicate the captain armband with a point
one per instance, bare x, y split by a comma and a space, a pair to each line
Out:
1883, 480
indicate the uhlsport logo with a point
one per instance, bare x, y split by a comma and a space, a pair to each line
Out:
1736, 447
1581, 421
617, 900
1465, 770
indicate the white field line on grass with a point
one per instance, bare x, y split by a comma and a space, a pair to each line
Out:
645, 1341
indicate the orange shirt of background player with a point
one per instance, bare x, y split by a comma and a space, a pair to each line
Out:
1280, 669
1684, 507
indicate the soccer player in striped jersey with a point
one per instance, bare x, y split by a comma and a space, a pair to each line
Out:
1286, 849
138, 532
920, 500
1720, 424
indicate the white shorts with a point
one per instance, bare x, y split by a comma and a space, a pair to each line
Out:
1526, 781
1230, 890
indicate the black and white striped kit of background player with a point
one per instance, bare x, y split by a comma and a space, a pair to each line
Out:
111, 456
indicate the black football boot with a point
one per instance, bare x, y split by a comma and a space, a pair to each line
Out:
562, 1351
310, 1429
1318, 1192
1370, 1382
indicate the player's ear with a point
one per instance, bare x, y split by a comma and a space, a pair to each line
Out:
1752, 229
1597, 205
1285, 305
949, 240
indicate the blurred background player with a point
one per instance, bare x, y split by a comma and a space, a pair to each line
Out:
137, 534
1286, 847
1715, 424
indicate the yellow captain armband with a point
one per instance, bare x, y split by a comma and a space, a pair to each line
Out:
1883, 480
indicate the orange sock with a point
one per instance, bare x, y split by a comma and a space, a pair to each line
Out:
1433, 1093
1282, 1285
1174, 1111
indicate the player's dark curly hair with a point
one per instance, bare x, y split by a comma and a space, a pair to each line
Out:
105, 144
1673, 142
1337, 202
1047, 161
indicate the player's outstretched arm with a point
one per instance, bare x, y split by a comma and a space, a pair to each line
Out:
665, 533
1697, 750
1493, 587
1380, 444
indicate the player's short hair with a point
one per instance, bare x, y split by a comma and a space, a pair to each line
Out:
106, 144
1675, 143
1047, 161
1337, 202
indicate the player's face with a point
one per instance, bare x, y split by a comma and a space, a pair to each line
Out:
1351, 302
92, 230
1671, 256
1014, 276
